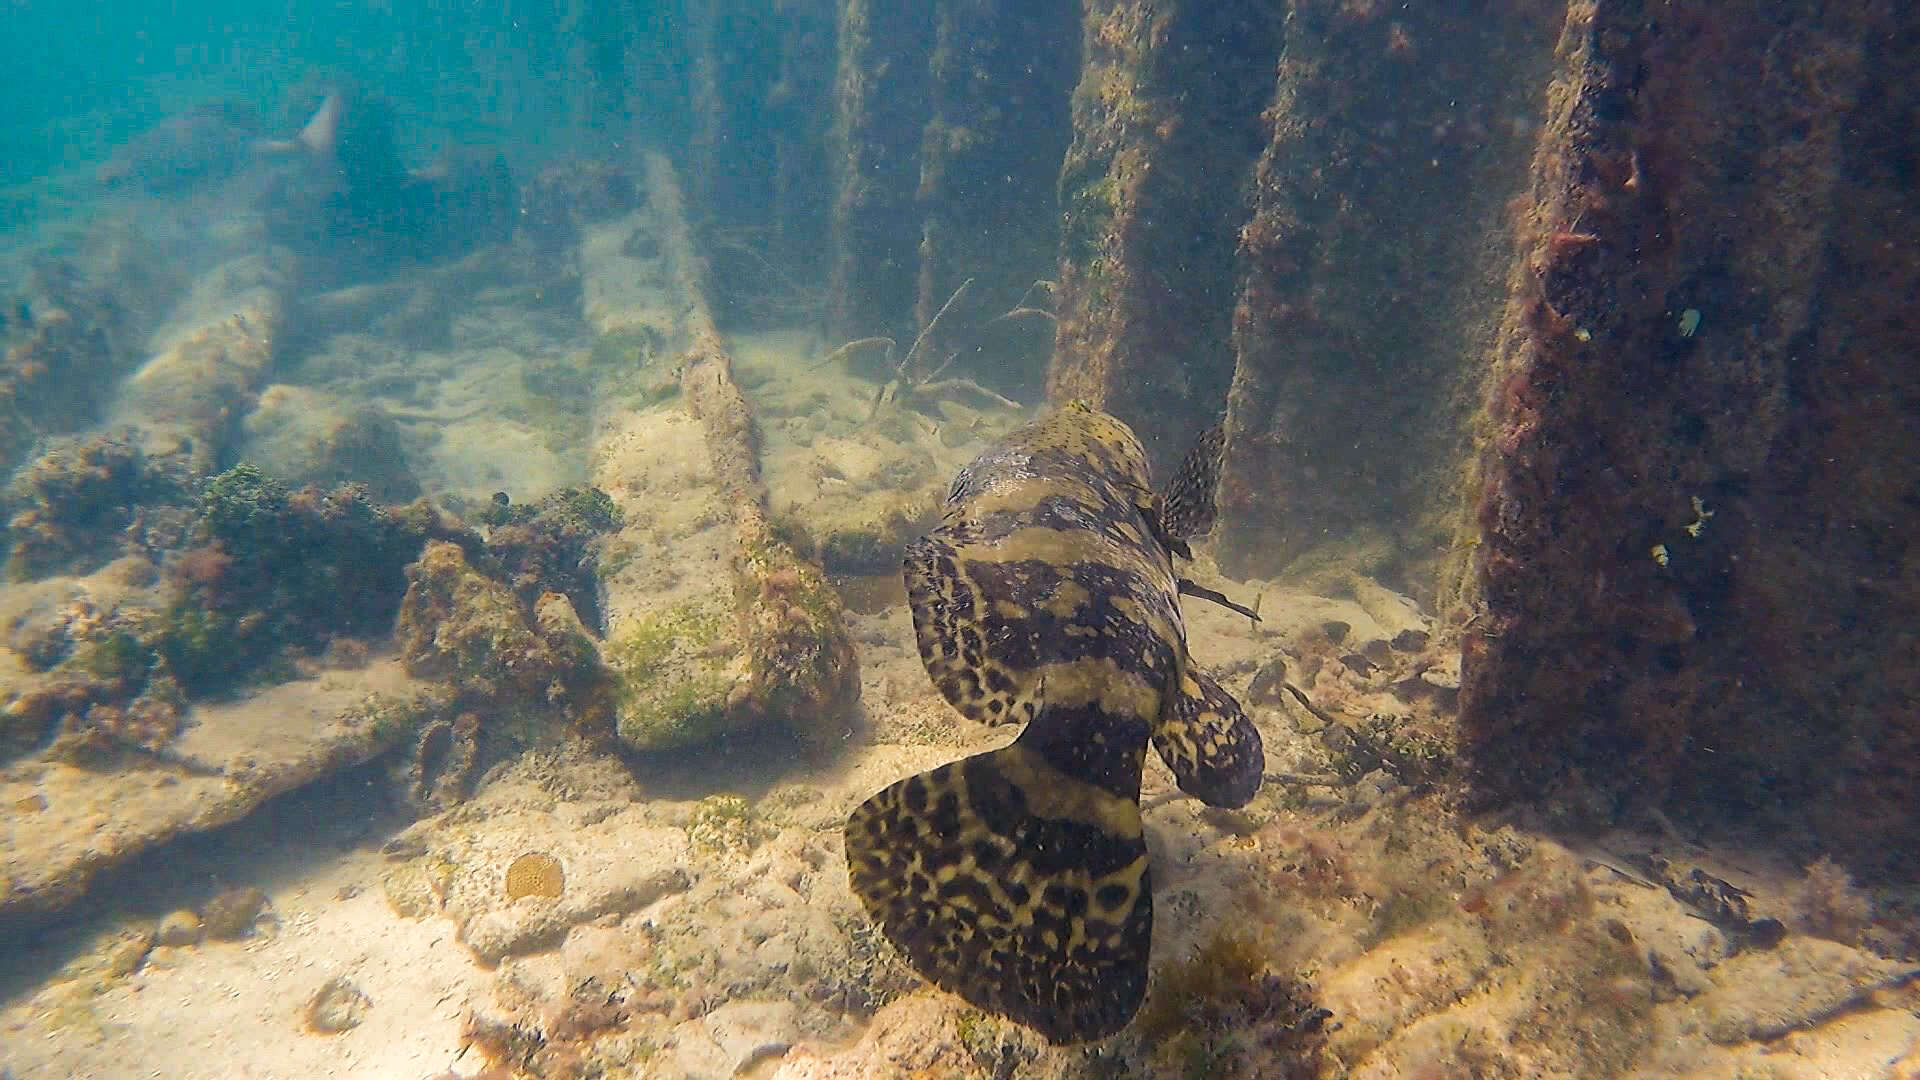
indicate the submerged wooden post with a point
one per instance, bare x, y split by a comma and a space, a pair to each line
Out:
989, 165
881, 106
714, 628
1150, 204
1371, 279
1694, 499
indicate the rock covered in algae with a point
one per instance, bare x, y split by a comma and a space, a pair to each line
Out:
550, 546
458, 624
770, 655
805, 672
680, 674
272, 569
81, 502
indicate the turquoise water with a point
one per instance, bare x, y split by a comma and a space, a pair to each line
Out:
82, 79
412, 660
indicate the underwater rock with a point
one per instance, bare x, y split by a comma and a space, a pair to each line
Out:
417, 888
724, 824
337, 1006
1398, 616
52, 370
735, 1037
32, 715
208, 359
557, 621
70, 509
233, 757
178, 929
306, 436
550, 546
98, 692
1444, 672
147, 724
1268, 686
651, 863
1798, 985
202, 146
732, 632
231, 914
42, 634
692, 672
805, 672
680, 675
274, 570
124, 955
514, 663
440, 769
458, 624
870, 539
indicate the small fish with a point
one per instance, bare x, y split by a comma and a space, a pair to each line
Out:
1018, 878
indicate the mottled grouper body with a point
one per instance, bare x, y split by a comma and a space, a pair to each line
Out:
1018, 878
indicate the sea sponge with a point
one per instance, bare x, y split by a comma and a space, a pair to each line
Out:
535, 874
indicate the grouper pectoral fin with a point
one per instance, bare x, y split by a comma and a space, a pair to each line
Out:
1019, 888
1206, 739
1215, 596
957, 629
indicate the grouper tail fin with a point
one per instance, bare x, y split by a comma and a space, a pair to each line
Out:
1014, 885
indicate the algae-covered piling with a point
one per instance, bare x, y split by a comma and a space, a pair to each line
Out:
713, 626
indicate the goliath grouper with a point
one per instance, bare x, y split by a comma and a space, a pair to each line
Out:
1017, 878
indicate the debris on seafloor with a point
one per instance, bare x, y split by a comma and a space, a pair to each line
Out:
1717, 900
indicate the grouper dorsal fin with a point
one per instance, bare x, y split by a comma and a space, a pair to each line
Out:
1188, 507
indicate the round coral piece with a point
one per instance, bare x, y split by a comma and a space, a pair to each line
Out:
535, 874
